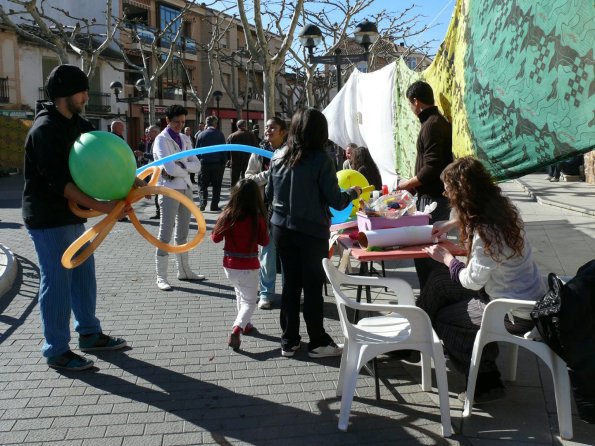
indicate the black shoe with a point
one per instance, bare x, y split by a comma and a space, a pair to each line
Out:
125, 219
155, 217
412, 356
234, 340
289, 351
215, 209
202, 208
486, 396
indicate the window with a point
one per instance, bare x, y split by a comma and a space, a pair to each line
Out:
47, 65
96, 122
173, 81
95, 102
224, 37
166, 15
130, 77
135, 15
4, 91
411, 62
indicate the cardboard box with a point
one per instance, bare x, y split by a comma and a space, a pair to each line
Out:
365, 223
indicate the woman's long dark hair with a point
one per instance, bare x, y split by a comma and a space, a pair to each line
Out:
361, 157
245, 201
481, 207
308, 132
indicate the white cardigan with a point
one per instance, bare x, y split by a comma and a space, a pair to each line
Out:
181, 169
514, 278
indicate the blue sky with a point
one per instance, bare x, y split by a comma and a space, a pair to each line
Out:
432, 12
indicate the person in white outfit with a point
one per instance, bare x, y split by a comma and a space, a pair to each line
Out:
500, 265
175, 175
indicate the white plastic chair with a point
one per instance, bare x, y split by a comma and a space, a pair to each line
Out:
493, 329
407, 328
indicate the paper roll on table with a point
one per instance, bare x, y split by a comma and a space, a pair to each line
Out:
405, 236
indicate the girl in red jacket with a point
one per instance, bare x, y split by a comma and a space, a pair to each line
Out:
243, 226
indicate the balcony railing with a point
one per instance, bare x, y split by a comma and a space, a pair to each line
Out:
190, 45
98, 102
145, 33
167, 40
4, 93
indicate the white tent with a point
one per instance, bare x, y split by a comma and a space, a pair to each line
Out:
362, 113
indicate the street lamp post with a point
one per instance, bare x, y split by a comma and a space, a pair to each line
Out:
218, 95
248, 98
365, 34
117, 88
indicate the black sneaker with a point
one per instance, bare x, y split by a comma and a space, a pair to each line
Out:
100, 341
69, 361
288, 352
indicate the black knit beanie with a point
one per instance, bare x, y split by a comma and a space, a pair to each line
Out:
66, 80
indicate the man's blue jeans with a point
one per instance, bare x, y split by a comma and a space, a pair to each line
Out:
63, 290
268, 271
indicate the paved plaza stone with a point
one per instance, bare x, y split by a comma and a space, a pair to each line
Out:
179, 384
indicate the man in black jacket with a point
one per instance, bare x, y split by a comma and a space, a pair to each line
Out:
239, 160
53, 227
434, 153
213, 164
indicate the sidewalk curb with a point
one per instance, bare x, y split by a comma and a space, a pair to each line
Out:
531, 192
8, 269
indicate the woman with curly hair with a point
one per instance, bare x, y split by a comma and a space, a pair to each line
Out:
499, 265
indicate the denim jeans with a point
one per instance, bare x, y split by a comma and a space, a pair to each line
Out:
268, 271
62, 291
245, 282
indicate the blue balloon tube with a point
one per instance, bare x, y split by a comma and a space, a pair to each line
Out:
205, 151
338, 216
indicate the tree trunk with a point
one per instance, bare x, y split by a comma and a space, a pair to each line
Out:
268, 73
151, 100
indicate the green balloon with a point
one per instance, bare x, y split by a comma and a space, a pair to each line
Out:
102, 165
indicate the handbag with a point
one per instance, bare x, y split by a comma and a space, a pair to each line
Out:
546, 315
565, 318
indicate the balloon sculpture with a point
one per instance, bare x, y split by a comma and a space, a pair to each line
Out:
349, 178
101, 158
102, 166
